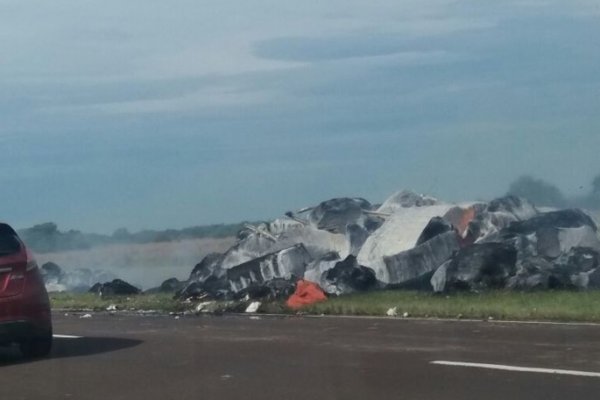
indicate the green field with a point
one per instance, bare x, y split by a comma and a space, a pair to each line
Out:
93, 302
498, 305
501, 305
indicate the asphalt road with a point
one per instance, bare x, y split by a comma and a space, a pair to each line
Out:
133, 357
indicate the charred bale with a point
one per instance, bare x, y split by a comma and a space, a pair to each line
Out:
415, 263
336, 214
357, 236
171, 285
214, 288
348, 276
51, 273
406, 199
315, 271
533, 273
276, 289
488, 221
569, 218
551, 235
287, 263
209, 266
519, 207
477, 267
435, 227
116, 287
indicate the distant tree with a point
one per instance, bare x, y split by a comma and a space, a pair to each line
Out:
41, 237
45, 229
121, 235
538, 191
44, 238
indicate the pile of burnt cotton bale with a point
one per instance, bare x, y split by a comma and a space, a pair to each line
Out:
410, 241
78, 280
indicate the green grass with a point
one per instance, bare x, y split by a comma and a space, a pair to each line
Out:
499, 305
89, 301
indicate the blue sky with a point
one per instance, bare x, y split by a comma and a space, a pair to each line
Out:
148, 114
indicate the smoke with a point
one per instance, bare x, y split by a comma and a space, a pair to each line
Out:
543, 193
143, 265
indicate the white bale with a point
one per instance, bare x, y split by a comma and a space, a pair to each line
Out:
398, 233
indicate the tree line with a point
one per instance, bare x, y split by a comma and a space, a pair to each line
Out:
47, 237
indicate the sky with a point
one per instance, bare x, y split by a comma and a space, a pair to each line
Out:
151, 114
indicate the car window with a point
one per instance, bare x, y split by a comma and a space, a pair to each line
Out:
9, 244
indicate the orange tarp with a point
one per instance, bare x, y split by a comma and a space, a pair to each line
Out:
306, 293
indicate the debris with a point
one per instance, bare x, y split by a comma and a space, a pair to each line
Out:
436, 227
52, 273
170, 285
253, 307
213, 287
399, 233
406, 199
410, 265
210, 266
116, 287
306, 293
206, 306
260, 231
461, 217
289, 233
285, 264
344, 245
86, 316
357, 236
497, 215
76, 280
347, 277
274, 289
480, 266
111, 307
392, 312
405, 315
315, 271
336, 214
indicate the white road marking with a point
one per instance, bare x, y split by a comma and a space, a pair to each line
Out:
66, 337
518, 369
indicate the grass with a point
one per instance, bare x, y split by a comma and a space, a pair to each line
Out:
499, 305
89, 301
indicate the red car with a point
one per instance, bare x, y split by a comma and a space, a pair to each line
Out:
24, 305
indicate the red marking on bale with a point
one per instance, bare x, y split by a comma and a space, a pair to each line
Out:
306, 293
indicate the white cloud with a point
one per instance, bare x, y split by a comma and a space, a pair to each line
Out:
208, 99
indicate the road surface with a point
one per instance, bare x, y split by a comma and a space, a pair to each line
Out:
238, 357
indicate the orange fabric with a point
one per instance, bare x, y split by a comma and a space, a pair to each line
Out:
306, 293
466, 218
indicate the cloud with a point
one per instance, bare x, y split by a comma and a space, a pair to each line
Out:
360, 44
232, 110
210, 98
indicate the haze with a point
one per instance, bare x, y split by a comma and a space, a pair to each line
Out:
150, 114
